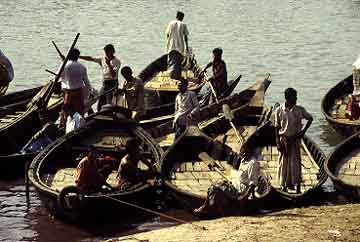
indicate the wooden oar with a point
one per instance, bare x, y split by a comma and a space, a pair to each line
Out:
58, 50
212, 88
309, 154
57, 78
229, 116
212, 164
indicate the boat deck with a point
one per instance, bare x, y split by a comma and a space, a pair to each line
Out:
348, 170
162, 81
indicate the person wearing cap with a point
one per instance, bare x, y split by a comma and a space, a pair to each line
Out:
289, 131
225, 193
186, 108
219, 77
133, 93
176, 44
6, 63
73, 80
110, 65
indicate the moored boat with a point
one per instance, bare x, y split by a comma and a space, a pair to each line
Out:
158, 83
343, 167
334, 105
263, 142
107, 132
188, 175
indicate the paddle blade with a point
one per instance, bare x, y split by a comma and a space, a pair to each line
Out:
227, 112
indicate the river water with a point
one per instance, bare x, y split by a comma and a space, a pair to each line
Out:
309, 45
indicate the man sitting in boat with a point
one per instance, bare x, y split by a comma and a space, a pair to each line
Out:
90, 174
289, 132
110, 65
226, 193
74, 77
219, 78
186, 108
353, 107
6, 63
176, 42
74, 119
133, 93
42, 138
128, 172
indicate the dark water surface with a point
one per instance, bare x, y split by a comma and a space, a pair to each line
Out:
306, 44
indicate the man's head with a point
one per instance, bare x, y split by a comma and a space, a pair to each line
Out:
92, 153
180, 15
245, 153
217, 53
126, 72
109, 50
74, 54
290, 96
183, 85
68, 109
132, 146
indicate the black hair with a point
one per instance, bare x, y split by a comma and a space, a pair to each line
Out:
180, 15
290, 92
126, 70
131, 143
217, 51
74, 54
109, 47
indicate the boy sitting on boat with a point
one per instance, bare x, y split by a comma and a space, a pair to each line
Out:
129, 173
226, 193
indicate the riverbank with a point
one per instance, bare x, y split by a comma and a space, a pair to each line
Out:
327, 223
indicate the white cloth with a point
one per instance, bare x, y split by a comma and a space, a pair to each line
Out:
356, 64
248, 174
4, 60
74, 76
356, 76
185, 104
74, 122
175, 34
115, 63
289, 121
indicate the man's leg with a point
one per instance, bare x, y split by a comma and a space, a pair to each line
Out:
175, 59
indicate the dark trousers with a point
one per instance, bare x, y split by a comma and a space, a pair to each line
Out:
174, 64
108, 97
179, 129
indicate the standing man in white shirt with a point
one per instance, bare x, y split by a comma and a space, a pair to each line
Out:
111, 65
356, 76
73, 80
5, 62
186, 108
176, 42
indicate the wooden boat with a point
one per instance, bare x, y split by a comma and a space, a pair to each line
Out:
20, 121
343, 167
334, 105
18, 100
263, 142
189, 176
247, 107
158, 83
107, 132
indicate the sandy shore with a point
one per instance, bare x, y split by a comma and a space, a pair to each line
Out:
311, 224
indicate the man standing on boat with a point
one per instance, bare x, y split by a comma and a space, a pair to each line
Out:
356, 76
219, 78
176, 42
73, 80
133, 93
5, 62
186, 108
111, 65
289, 132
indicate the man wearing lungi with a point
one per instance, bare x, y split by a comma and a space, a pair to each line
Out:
289, 132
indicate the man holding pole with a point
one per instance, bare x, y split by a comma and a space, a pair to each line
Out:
289, 132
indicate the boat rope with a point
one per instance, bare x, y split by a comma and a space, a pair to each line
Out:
154, 212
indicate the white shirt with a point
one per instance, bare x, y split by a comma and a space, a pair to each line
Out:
356, 64
4, 60
74, 76
175, 33
115, 63
248, 174
185, 103
74, 122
